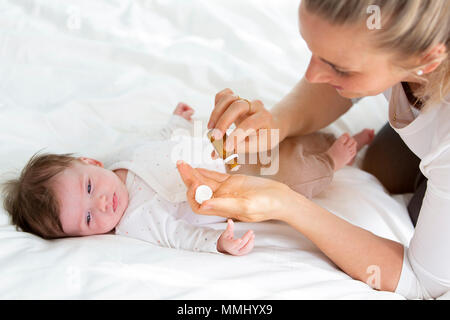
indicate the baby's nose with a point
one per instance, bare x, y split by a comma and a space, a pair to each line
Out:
101, 203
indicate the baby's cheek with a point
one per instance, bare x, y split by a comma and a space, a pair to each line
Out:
105, 225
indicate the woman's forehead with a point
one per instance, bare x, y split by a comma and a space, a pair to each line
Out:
347, 47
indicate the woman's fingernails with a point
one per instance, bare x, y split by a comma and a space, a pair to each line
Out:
217, 134
179, 162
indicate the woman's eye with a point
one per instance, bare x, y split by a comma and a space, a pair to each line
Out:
88, 218
341, 73
89, 187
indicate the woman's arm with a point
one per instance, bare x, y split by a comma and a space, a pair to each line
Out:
359, 253
308, 108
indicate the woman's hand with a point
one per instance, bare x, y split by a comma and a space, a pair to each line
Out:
241, 197
250, 118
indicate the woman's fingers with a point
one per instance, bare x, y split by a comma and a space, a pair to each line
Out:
235, 110
248, 116
192, 177
190, 195
223, 99
221, 94
187, 173
260, 118
247, 128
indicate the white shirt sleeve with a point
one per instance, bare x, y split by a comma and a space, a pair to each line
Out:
152, 223
426, 263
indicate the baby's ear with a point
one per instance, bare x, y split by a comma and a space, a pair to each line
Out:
91, 161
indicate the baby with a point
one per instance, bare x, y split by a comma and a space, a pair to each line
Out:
140, 194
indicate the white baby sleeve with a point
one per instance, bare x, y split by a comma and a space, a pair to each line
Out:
151, 222
176, 122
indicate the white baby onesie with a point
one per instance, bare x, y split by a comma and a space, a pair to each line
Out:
157, 211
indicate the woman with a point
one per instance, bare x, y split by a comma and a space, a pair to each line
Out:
407, 60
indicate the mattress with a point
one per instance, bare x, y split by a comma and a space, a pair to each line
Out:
91, 76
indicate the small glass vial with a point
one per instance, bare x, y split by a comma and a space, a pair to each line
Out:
230, 159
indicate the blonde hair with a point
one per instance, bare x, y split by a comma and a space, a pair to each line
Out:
409, 28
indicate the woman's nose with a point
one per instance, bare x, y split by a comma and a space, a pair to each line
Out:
316, 72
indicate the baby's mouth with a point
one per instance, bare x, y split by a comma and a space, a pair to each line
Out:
115, 202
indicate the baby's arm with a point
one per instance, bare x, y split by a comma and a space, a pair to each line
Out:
152, 223
180, 119
181, 234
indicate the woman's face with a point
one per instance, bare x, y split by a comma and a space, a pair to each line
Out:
343, 57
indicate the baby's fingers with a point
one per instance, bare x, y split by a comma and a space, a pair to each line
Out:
239, 244
246, 237
228, 233
248, 246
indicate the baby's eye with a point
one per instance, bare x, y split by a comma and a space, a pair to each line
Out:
89, 187
88, 218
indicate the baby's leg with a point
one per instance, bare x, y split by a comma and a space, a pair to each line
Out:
307, 163
304, 171
363, 138
344, 149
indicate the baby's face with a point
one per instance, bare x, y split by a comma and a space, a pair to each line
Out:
92, 199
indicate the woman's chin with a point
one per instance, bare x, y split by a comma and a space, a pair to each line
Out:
349, 95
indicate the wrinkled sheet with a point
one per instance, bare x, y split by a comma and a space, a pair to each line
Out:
90, 76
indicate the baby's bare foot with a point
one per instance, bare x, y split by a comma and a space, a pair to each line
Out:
364, 138
343, 151
183, 110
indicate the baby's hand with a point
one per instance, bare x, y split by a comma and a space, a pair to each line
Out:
183, 110
235, 247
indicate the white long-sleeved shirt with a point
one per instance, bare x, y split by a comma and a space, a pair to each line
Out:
426, 263
157, 211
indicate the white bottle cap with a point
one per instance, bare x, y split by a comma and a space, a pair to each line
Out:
233, 156
203, 193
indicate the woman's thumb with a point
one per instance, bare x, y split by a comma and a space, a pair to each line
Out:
193, 177
186, 173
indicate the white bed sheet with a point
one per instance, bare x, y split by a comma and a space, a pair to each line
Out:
90, 76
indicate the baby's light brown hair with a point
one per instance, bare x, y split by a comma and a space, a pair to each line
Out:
30, 199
